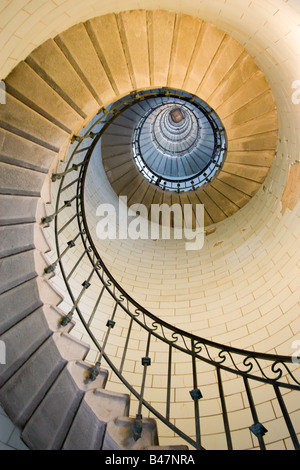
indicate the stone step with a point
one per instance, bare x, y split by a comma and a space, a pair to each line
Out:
146, 143
246, 186
193, 198
128, 183
19, 151
50, 63
197, 59
109, 151
216, 214
120, 434
185, 39
19, 302
171, 448
228, 53
125, 121
49, 424
25, 390
265, 141
141, 107
19, 238
228, 207
20, 119
81, 53
255, 110
24, 338
239, 74
161, 28
17, 269
53, 315
113, 140
20, 181
16, 238
255, 86
148, 198
97, 408
104, 33
117, 129
17, 209
131, 24
48, 293
261, 124
133, 114
27, 86
153, 157
233, 194
258, 158
138, 195
114, 174
250, 172
114, 161
40, 241
24, 299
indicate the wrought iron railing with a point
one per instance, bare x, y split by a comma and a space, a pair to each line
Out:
278, 373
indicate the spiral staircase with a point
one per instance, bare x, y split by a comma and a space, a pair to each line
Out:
50, 388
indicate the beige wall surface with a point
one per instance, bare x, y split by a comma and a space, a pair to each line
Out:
243, 288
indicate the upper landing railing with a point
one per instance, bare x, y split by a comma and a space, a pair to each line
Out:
214, 153
222, 366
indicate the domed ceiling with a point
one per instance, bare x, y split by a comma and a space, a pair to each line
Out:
177, 143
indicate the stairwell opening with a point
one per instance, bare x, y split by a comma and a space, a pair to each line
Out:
255, 233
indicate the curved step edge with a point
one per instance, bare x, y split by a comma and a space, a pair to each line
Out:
24, 391
52, 419
120, 434
24, 338
96, 410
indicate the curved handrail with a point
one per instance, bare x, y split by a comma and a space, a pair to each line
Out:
197, 348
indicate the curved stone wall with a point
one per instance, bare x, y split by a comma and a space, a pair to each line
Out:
243, 287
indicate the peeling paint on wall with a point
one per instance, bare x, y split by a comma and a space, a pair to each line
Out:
291, 192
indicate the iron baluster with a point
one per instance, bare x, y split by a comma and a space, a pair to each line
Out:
169, 380
146, 362
224, 409
85, 149
287, 418
66, 224
49, 218
257, 428
59, 176
95, 307
69, 185
94, 371
196, 396
85, 285
126, 346
76, 265
76, 138
70, 244
81, 138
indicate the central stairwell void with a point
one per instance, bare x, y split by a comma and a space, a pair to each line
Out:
177, 145
275, 372
106, 369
